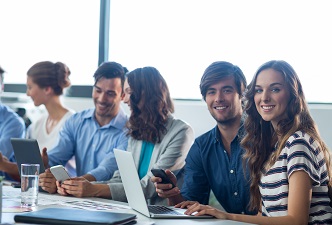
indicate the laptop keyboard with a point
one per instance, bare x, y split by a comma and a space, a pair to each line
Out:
159, 209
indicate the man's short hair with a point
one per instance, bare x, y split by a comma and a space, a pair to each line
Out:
220, 70
110, 70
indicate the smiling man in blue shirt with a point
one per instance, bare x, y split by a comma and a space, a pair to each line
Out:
92, 134
214, 161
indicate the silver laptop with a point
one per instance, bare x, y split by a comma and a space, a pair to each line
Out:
135, 195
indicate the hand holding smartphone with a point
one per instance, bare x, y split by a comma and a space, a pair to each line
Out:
162, 174
60, 173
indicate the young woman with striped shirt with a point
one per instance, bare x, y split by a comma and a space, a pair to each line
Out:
289, 163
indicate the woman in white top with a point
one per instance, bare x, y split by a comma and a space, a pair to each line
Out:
45, 83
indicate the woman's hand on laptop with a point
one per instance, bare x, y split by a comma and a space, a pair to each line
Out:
185, 204
196, 209
47, 182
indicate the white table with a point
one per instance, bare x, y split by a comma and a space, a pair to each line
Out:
11, 204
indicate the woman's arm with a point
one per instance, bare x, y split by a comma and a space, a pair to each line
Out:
299, 198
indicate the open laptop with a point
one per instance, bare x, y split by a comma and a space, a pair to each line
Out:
27, 151
134, 192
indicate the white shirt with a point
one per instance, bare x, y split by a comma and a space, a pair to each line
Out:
37, 130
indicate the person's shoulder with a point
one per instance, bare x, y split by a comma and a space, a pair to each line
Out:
301, 138
175, 122
9, 115
302, 144
298, 136
205, 141
120, 120
209, 135
75, 119
86, 113
4, 109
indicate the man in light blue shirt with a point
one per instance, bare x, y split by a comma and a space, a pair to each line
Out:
92, 134
11, 126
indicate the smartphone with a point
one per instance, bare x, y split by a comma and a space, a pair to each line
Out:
60, 173
162, 174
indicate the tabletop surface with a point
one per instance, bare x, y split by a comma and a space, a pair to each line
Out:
11, 206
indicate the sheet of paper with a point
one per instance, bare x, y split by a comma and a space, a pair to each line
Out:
44, 199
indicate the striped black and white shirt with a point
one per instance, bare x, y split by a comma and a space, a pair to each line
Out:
301, 152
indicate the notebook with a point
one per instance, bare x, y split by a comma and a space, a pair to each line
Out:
27, 151
70, 216
134, 192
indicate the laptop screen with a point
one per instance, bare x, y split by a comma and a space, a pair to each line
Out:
27, 151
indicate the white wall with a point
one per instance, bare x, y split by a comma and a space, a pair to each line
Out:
197, 115
193, 112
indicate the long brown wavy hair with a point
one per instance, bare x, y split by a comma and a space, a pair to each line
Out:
261, 138
150, 104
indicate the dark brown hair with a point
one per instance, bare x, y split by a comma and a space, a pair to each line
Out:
220, 70
150, 104
261, 138
49, 74
110, 70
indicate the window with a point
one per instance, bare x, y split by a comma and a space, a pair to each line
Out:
181, 38
53, 30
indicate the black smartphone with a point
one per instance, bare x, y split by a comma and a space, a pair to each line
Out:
162, 174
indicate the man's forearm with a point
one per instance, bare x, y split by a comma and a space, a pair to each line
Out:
89, 177
11, 169
102, 191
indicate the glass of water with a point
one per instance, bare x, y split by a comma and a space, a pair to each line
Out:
29, 185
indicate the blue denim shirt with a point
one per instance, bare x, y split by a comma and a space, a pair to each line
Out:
91, 144
209, 167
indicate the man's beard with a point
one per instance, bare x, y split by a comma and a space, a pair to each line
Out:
227, 121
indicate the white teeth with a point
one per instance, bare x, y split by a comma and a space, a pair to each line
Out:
220, 107
267, 107
102, 106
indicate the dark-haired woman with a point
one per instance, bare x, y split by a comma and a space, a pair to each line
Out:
157, 139
289, 163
